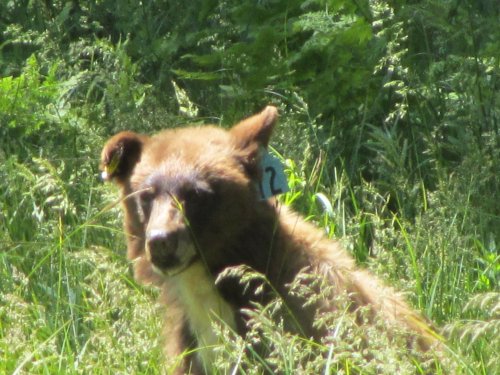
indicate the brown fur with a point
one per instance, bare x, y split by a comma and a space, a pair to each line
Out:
192, 210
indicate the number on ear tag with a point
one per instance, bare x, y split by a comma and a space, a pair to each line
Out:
273, 180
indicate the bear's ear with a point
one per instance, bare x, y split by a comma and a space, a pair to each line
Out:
255, 130
120, 154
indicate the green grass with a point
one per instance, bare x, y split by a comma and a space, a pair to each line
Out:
68, 302
389, 130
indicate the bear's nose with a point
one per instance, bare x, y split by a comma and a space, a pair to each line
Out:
162, 248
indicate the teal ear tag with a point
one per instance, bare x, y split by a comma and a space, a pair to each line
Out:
273, 180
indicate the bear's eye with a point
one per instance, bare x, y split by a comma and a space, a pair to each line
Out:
198, 203
196, 195
147, 195
145, 198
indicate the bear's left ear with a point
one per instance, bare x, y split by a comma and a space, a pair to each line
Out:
255, 131
120, 154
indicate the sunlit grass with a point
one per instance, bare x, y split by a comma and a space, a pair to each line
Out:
70, 305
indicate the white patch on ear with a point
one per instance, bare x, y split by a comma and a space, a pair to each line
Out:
104, 176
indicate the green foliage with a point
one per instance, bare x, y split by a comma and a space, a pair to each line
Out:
389, 132
27, 100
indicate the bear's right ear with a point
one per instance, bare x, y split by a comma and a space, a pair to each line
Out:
256, 130
120, 154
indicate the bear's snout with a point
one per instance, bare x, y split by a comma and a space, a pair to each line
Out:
162, 247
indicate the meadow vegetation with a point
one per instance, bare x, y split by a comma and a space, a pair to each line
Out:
389, 130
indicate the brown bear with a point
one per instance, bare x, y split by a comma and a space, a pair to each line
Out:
193, 208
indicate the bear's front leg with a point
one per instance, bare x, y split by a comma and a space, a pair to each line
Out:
179, 341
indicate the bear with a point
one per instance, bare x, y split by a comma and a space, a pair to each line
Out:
193, 209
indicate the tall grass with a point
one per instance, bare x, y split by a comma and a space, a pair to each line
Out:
70, 305
390, 138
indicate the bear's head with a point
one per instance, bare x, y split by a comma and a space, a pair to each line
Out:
187, 192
